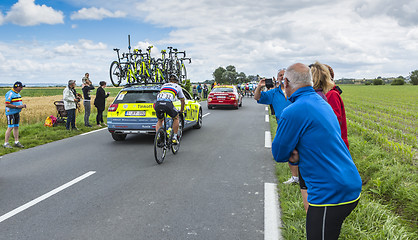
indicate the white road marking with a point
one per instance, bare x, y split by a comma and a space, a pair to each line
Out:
93, 131
267, 139
267, 118
205, 114
267, 108
272, 222
45, 196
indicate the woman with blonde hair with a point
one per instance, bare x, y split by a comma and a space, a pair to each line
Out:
321, 77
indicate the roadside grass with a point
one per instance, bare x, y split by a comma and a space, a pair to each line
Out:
36, 134
387, 207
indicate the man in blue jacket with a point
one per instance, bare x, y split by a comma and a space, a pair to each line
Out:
308, 135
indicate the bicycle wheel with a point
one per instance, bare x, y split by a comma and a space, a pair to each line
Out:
175, 148
116, 74
160, 146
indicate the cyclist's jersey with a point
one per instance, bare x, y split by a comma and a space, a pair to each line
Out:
169, 91
13, 98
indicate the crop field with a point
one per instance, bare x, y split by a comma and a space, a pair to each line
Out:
388, 115
382, 132
40, 103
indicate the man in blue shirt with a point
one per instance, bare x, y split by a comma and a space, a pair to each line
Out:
274, 97
277, 101
13, 107
309, 128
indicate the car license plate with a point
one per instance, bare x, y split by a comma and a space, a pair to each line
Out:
221, 97
135, 113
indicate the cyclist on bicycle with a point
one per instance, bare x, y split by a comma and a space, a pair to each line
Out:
164, 104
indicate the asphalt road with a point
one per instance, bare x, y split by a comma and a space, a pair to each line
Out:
212, 189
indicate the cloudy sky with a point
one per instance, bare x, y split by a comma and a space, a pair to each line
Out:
52, 41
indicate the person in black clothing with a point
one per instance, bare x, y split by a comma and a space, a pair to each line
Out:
100, 102
87, 87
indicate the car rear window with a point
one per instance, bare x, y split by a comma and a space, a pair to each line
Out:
223, 90
136, 97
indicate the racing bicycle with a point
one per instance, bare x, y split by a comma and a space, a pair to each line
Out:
163, 138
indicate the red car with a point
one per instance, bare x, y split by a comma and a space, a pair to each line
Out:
224, 95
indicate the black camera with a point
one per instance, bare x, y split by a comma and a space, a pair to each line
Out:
269, 83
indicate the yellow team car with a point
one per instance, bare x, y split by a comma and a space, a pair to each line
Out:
132, 111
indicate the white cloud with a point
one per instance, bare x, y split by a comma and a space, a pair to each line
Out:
50, 62
96, 14
90, 45
357, 38
27, 13
261, 36
1, 18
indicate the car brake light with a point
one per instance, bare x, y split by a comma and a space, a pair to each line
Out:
112, 108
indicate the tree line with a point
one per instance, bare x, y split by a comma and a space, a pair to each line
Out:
229, 75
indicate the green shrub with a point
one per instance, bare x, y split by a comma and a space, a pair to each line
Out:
377, 82
398, 81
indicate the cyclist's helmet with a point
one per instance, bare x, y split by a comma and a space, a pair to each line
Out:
174, 78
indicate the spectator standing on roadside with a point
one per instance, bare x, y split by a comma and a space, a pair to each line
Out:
277, 100
70, 104
14, 106
308, 135
199, 91
337, 104
87, 87
205, 91
321, 84
194, 90
100, 102
321, 79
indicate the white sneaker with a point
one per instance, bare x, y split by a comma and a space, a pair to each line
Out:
292, 180
7, 145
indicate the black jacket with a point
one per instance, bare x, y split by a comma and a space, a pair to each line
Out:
100, 100
86, 91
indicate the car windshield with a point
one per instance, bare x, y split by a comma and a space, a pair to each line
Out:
223, 90
136, 97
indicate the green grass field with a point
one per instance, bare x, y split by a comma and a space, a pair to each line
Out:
382, 129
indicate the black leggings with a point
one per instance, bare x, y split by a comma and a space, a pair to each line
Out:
325, 223
99, 117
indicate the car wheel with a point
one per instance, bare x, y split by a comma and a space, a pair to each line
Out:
210, 107
118, 137
199, 120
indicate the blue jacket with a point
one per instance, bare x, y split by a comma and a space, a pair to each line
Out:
310, 126
275, 97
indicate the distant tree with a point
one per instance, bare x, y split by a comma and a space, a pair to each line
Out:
414, 77
378, 81
251, 78
231, 68
187, 85
398, 81
217, 74
241, 77
229, 77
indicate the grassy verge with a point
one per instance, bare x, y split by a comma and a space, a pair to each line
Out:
387, 208
32, 135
